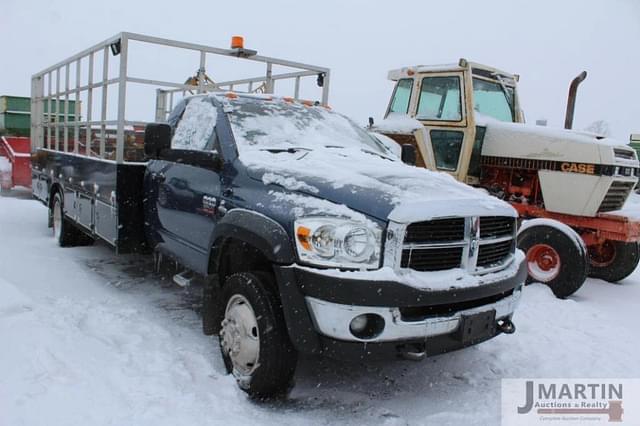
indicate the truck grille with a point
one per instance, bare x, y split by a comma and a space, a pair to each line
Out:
616, 196
494, 254
442, 244
435, 231
496, 226
432, 259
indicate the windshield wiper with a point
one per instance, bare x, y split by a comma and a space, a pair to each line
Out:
504, 87
290, 150
366, 150
510, 99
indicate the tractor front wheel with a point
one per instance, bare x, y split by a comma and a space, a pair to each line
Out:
613, 260
556, 256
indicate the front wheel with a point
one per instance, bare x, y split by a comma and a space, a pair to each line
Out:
254, 340
556, 256
613, 260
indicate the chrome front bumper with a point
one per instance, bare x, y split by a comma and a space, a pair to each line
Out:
332, 319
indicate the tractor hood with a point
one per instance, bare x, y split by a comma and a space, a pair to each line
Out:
519, 140
378, 187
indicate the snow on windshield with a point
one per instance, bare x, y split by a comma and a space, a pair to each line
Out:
196, 126
277, 124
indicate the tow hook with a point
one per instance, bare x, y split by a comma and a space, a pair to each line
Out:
417, 353
414, 356
506, 326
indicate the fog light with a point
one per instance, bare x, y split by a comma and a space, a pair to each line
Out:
366, 326
358, 324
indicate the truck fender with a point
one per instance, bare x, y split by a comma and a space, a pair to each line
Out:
257, 230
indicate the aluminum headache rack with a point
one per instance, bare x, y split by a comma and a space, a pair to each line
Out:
74, 84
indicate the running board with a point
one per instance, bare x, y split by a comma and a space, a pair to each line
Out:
184, 278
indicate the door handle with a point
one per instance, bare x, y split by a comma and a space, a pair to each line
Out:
160, 177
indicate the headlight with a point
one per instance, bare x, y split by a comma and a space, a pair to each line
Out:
338, 242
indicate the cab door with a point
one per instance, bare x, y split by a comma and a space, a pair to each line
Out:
187, 183
440, 103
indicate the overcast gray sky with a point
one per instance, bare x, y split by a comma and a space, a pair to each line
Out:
547, 42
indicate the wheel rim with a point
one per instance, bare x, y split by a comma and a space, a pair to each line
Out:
602, 255
57, 219
543, 263
239, 336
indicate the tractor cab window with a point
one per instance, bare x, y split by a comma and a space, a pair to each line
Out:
490, 98
446, 145
440, 99
401, 96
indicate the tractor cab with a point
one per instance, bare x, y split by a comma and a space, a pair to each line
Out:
450, 101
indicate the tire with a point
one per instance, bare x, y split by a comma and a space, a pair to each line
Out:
66, 234
554, 257
614, 261
253, 317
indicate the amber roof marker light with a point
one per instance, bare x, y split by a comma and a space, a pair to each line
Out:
237, 42
237, 45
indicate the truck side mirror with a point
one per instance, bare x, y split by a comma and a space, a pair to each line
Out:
409, 154
157, 136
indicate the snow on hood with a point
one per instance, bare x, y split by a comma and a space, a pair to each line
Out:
397, 123
541, 141
377, 186
546, 132
317, 152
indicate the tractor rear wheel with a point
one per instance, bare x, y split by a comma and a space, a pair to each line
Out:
556, 256
613, 260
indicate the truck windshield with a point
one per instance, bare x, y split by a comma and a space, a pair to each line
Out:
267, 124
490, 99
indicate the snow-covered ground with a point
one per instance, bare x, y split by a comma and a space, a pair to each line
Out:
89, 338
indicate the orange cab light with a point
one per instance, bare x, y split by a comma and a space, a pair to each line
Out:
304, 236
287, 98
410, 71
231, 95
307, 103
237, 42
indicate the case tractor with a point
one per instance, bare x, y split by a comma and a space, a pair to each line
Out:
465, 119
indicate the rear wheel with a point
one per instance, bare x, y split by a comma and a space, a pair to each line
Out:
62, 231
65, 233
254, 340
554, 257
613, 260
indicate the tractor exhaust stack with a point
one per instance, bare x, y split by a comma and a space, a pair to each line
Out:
571, 102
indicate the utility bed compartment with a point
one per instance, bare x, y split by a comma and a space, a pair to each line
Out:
90, 188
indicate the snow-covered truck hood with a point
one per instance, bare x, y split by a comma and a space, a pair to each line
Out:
385, 189
518, 140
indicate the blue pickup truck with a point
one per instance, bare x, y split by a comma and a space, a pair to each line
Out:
310, 235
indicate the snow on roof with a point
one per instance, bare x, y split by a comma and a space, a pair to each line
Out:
399, 73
